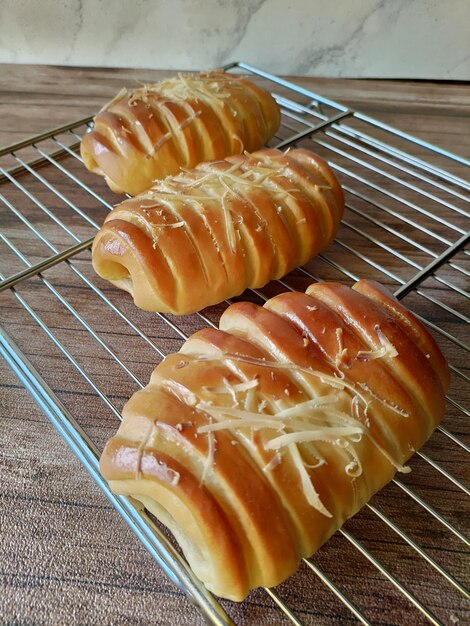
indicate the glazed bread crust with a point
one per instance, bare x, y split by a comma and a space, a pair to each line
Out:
149, 133
209, 233
257, 441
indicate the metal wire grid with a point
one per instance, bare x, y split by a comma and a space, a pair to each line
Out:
405, 225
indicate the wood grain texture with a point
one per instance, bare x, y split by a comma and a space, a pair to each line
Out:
59, 537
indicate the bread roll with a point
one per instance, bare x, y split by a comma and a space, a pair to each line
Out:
149, 133
209, 233
257, 441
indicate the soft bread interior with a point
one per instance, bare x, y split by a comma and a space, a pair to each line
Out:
173, 512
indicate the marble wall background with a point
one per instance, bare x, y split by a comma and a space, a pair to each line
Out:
355, 38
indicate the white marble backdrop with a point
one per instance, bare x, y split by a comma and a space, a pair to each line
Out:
355, 38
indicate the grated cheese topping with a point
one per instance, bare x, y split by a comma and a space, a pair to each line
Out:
249, 384
171, 225
229, 225
389, 405
209, 462
386, 349
342, 351
255, 423
327, 433
203, 185
316, 419
309, 490
274, 462
119, 96
181, 88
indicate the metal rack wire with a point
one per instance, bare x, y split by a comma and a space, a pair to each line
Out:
406, 225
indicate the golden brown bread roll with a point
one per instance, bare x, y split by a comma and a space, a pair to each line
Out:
207, 234
257, 441
149, 133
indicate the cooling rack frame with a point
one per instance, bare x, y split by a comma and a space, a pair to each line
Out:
322, 121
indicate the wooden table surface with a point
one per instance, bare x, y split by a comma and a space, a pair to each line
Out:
66, 557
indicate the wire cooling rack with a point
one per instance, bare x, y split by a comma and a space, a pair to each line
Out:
406, 225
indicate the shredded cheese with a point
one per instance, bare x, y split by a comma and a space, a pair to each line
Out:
353, 469
237, 139
256, 423
333, 381
231, 411
189, 120
274, 462
250, 400
170, 226
185, 395
386, 343
209, 459
119, 96
156, 147
184, 87
386, 350
329, 434
309, 490
318, 419
342, 351
304, 408
390, 405
238, 387
229, 225
321, 461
